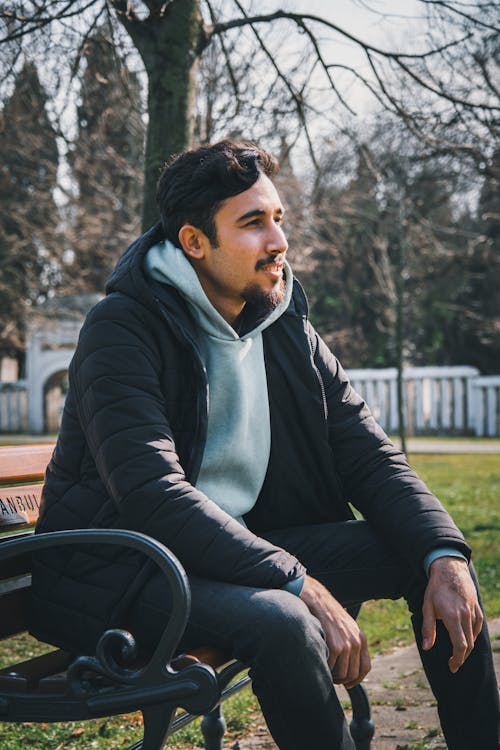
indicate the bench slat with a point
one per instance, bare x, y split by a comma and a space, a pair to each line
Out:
20, 506
19, 463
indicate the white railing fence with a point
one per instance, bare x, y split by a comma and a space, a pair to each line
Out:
486, 399
438, 401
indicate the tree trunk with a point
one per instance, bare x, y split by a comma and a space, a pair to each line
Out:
400, 380
169, 43
400, 329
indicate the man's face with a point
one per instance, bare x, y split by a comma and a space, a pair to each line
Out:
247, 263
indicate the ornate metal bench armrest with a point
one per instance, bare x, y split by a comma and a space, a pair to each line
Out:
158, 669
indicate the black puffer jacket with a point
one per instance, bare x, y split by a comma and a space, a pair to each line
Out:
132, 439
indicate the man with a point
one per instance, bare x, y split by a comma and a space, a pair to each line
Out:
204, 410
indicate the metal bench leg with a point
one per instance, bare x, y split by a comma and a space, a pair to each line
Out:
157, 720
213, 727
362, 727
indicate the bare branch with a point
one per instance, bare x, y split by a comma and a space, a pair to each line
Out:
400, 60
37, 23
487, 78
325, 67
296, 97
441, 92
453, 9
299, 18
408, 120
362, 79
227, 58
81, 47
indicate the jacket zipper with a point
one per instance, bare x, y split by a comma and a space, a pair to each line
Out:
319, 376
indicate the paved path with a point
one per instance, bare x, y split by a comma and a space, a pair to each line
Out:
403, 707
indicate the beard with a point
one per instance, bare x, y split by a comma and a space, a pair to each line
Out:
264, 302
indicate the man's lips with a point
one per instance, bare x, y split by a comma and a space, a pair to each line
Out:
275, 268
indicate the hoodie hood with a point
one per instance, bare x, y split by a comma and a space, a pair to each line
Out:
127, 276
168, 264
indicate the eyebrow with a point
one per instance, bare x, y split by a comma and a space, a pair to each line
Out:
258, 212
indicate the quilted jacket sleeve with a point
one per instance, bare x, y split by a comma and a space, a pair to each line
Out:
376, 476
115, 375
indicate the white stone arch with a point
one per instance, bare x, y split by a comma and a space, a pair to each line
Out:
51, 342
54, 395
40, 366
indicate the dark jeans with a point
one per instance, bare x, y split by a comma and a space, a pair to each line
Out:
275, 634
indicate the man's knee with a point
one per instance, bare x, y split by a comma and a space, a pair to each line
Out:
284, 628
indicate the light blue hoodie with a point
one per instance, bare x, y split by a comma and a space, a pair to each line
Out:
239, 433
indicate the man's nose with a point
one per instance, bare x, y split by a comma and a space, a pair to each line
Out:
277, 242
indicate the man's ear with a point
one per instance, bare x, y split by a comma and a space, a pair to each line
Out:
193, 241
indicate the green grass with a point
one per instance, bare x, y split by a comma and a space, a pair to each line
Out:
22, 439
468, 486
118, 732
428, 741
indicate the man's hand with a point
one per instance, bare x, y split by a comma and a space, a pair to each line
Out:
348, 660
451, 597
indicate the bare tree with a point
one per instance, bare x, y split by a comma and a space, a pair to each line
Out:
473, 332
106, 160
30, 245
458, 103
390, 280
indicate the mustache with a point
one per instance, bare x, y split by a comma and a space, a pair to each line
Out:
272, 260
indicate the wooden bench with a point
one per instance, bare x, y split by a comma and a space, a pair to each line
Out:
59, 686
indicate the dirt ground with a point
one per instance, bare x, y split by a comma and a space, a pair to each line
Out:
403, 707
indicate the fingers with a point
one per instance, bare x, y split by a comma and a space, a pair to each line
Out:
463, 629
348, 657
461, 648
345, 667
364, 668
428, 626
463, 635
478, 621
452, 597
353, 663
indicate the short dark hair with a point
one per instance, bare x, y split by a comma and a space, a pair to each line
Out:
195, 183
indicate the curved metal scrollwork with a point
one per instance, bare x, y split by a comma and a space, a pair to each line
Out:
194, 688
122, 687
112, 643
